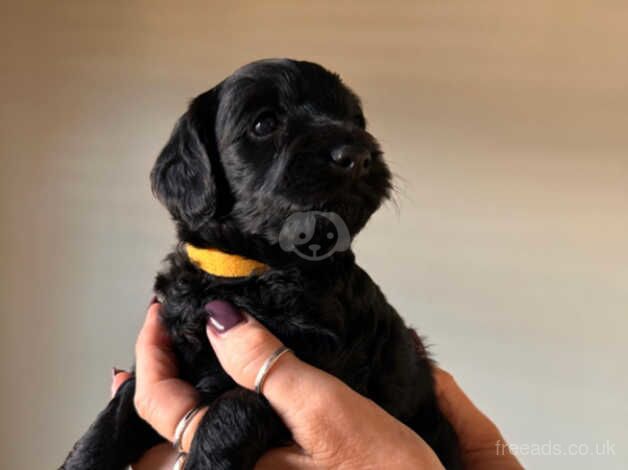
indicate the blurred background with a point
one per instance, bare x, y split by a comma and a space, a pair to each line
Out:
505, 123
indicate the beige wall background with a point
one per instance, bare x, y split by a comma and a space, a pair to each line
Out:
505, 122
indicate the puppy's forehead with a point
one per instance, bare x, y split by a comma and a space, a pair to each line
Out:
287, 84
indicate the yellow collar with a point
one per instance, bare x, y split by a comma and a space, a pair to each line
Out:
219, 263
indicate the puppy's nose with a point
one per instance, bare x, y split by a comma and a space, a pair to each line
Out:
352, 159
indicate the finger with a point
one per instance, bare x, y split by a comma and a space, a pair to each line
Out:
479, 436
118, 378
160, 457
285, 458
241, 343
299, 392
470, 423
152, 349
161, 398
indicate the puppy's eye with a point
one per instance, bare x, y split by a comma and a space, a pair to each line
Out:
265, 124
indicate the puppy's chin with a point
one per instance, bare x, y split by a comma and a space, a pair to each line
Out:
265, 215
353, 200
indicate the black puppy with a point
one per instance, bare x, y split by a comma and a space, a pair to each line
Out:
274, 164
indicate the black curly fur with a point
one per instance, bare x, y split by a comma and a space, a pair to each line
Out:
229, 188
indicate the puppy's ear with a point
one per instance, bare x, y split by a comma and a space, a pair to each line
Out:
183, 178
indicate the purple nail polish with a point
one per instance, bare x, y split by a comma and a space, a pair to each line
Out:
115, 371
222, 315
154, 300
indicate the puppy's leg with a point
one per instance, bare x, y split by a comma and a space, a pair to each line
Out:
117, 437
238, 429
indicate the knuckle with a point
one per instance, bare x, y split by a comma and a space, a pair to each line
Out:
331, 447
257, 338
253, 359
332, 417
142, 405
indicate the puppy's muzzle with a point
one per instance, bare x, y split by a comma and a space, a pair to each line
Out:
352, 160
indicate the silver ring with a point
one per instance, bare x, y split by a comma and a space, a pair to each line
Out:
182, 426
268, 364
180, 462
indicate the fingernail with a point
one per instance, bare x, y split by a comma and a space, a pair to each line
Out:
154, 300
115, 371
222, 315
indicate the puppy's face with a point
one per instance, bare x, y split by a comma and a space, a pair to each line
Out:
275, 138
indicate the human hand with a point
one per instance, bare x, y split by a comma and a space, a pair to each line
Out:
332, 425
477, 434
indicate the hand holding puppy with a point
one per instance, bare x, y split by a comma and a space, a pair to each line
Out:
332, 425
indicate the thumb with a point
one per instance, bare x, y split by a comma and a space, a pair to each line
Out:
297, 391
241, 343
